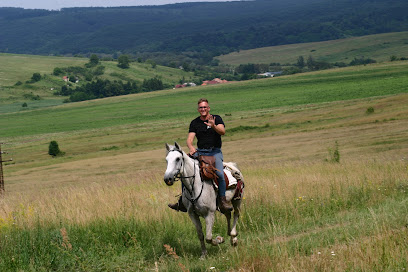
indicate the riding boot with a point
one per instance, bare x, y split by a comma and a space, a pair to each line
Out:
224, 205
179, 206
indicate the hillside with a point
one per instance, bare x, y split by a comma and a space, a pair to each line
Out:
379, 47
20, 68
198, 31
103, 205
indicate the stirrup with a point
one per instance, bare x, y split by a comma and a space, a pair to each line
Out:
178, 206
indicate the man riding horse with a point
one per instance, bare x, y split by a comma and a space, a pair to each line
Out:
208, 129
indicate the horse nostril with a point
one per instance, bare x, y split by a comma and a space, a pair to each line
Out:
168, 181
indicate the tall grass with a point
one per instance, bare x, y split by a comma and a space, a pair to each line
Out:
295, 217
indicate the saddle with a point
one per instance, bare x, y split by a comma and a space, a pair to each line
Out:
208, 172
207, 168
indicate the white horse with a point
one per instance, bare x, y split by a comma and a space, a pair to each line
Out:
199, 196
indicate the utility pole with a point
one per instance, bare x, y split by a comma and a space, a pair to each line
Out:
2, 190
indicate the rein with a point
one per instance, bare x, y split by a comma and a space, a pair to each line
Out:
180, 177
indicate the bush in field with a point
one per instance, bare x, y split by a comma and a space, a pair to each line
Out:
370, 110
53, 149
152, 84
123, 61
93, 61
31, 96
334, 153
36, 77
361, 61
58, 71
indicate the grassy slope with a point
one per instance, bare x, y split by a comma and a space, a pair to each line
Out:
379, 47
301, 212
16, 68
258, 95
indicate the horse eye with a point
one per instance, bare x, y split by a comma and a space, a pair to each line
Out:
178, 159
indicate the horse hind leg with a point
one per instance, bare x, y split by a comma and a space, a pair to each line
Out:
233, 230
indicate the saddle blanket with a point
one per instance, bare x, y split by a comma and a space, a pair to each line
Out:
233, 179
231, 175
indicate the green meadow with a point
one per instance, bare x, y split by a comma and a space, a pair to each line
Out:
17, 70
379, 47
324, 156
236, 98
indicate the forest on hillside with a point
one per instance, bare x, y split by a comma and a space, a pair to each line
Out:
194, 32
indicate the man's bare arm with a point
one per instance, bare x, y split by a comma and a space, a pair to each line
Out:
190, 140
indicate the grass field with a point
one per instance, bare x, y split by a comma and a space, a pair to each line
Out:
379, 47
20, 68
103, 206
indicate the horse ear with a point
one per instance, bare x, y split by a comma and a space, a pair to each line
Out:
177, 146
167, 147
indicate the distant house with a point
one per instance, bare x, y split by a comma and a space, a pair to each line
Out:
214, 81
66, 79
190, 84
270, 74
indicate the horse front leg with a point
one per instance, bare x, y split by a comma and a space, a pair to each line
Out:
197, 223
209, 223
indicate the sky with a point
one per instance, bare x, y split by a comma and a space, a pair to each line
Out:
58, 4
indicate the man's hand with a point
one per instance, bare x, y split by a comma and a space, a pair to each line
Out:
211, 121
192, 151
220, 128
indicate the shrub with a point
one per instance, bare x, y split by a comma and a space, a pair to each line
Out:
362, 61
57, 71
334, 153
370, 110
123, 61
31, 96
36, 77
24, 105
53, 149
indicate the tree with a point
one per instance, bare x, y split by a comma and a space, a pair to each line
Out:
57, 71
53, 149
152, 84
310, 63
36, 77
93, 61
123, 61
301, 62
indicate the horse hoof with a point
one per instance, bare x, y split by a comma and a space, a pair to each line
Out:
234, 241
219, 240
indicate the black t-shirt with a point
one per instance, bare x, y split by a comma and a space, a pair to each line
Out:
206, 136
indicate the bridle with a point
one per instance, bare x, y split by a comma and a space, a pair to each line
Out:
178, 176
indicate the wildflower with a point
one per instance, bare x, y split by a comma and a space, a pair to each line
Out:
333, 254
171, 251
65, 239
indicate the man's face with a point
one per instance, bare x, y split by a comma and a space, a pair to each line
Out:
203, 108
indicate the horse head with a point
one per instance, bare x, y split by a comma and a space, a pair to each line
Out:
174, 160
